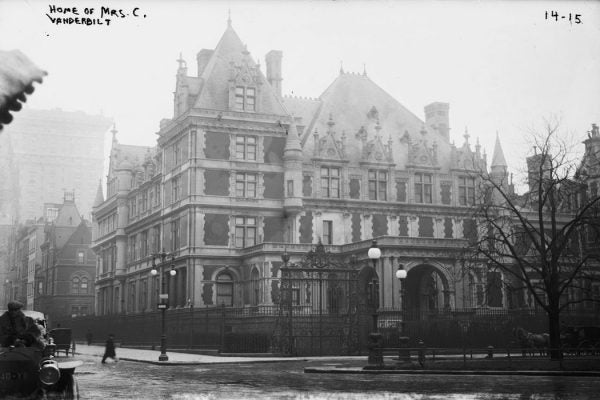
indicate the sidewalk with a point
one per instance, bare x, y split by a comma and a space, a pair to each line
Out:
177, 358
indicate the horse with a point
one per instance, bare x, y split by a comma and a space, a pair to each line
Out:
530, 342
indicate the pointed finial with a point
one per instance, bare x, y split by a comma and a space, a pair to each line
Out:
341, 67
466, 135
330, 123
377, 127
181, 61
114, 132
229, 18
364, 69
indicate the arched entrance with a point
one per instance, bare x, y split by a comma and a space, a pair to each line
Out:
426, 291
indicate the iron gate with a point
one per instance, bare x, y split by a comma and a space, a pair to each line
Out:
317, 312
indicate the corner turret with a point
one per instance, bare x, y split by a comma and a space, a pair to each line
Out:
292, 164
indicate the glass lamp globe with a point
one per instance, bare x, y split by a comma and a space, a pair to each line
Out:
401, 274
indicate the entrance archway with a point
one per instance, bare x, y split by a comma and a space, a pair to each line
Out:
426, 291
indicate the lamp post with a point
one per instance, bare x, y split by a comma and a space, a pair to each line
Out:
403, 353
374, 254
375, 359
164, 297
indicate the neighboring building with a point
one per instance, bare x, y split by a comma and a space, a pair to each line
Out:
64, 281
241, 174
44, 153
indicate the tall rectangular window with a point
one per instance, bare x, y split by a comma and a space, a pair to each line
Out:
245, 148
327, 232
330, 182
377, 185
290, 188
175, 234
423, 188
177, 153
144, 244
466, 191
175, 189
245, 231
80, 257
245, 185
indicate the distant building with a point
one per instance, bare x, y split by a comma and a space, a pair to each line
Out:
45, 152
65, 279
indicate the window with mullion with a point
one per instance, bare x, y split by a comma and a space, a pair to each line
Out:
245, 148
245, 185
245, 98
423, 188
377, 185
245, 231
466, 191
330, 182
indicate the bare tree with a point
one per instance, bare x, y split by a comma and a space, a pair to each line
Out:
535, 239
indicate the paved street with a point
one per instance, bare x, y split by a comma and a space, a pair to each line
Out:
286, 379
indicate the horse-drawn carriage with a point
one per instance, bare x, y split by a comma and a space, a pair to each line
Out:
580, 340
63, 339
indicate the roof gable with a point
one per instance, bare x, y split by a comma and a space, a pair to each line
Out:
230, 65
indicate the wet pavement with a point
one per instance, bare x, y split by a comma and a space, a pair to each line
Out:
231, 378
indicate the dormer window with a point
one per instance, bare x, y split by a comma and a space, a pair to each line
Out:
245, 98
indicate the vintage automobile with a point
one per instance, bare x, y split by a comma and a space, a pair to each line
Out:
34, 373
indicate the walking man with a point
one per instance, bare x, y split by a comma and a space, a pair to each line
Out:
89, 337
109, 349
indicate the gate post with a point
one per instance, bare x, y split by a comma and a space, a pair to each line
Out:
375, 352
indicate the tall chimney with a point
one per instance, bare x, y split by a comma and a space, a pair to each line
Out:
273, 59
437, 117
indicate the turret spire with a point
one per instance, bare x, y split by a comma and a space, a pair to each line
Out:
99, 195
229, 18
498, 159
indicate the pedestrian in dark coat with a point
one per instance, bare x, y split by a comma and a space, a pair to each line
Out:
109, 349
89, 337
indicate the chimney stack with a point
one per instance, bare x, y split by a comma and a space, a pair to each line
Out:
437, 117
273, 59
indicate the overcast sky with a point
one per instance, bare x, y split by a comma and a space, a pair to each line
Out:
502, 66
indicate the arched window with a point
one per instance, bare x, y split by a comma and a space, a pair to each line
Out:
75, 282
79, 285
225, 290
84, 286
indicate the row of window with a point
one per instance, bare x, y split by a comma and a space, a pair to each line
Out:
378, 182
145, 200
143, 244
107, 224
79, 285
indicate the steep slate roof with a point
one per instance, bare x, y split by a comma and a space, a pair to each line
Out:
354, 101
214, 93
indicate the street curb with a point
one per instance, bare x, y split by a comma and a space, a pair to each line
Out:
172, 363
311, 370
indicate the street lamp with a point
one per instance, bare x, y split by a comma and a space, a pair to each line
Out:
374, 254
403, 353
164, 297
